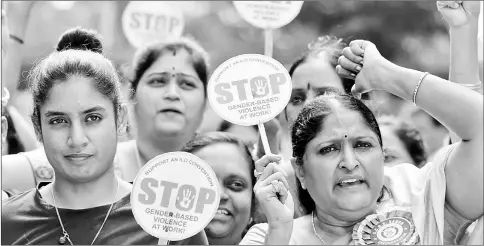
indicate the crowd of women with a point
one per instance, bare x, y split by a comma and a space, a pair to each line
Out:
336, 163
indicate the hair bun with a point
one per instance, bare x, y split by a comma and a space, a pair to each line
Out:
80, 39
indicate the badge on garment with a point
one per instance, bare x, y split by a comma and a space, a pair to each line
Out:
392, 228
44, 173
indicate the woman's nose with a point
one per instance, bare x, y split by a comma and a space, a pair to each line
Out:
349, 159
77, 136
171, 92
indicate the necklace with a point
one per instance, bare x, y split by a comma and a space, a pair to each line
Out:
138, 155
314, 229
62, 240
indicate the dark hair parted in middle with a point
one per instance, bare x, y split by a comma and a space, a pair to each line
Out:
329, 46
310, 122
145, 57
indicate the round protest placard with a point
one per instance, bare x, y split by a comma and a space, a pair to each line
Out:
145, 22
175, 195
249, 89
268, 14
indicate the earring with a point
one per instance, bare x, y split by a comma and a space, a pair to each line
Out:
120, 130
303, 186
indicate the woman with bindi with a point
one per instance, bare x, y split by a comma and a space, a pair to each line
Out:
168, 94
348, 194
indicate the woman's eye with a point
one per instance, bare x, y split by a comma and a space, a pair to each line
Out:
363, 145
321, 93
297, 100
158, 81
328, 150
237, 185
185, 84
57, 121
93, 118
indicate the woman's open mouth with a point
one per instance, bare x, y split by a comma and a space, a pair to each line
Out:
351, 182
222, 214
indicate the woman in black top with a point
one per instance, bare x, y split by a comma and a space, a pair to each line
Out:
78, 114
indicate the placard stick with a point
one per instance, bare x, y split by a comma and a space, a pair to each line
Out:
268, 41
263, 136
163, 242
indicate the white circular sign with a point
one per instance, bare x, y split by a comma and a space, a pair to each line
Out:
145, 22
175, 195
268, 14
249, 89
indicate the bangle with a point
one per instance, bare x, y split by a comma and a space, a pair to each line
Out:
17, 39
418, 86
475, 86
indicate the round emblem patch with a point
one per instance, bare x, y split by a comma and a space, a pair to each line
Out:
393, 228
44, 173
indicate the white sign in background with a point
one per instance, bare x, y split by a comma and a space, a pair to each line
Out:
268, 14
249, 89
145, 22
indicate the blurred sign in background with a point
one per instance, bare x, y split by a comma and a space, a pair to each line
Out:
409, 33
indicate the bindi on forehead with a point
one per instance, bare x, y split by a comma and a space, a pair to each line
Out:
341, 122
348, 127
171, 64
